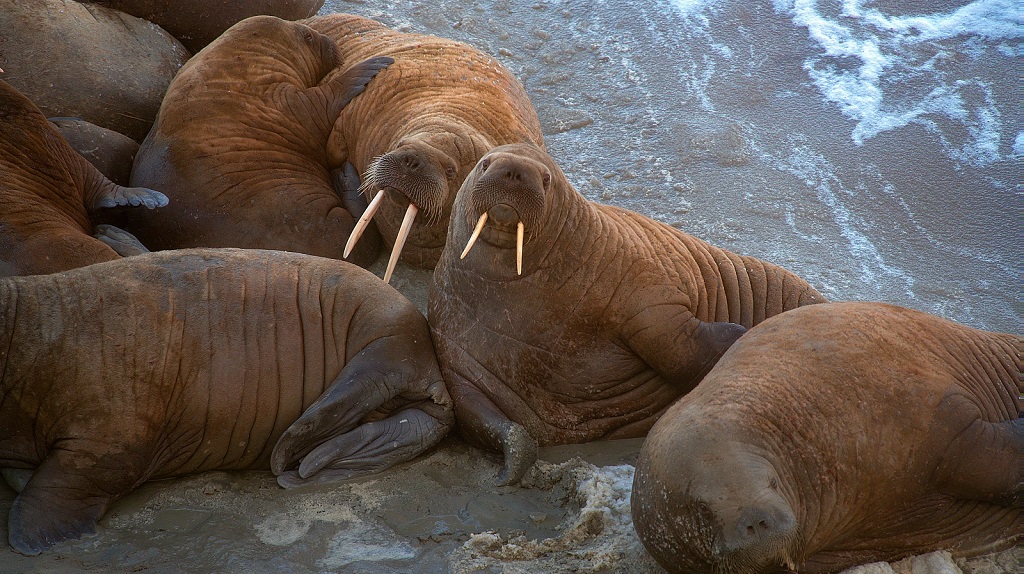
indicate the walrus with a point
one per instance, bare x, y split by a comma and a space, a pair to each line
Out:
51, 196
420, 127
112, 153
81, 60
835, 435
179, 362
196, 23
566, 321
240, 145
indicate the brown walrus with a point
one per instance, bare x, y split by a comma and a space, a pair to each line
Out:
80, 60
178, 362
421, 126
240, 145
196, 23
570, 321
837, 435
50, 195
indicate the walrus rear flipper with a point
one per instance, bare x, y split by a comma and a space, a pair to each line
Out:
60, 502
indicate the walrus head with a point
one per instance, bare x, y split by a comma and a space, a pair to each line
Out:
415, 183
713, 504
507, 197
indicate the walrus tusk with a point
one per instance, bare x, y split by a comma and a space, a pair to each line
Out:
519, 248
364, 220
403, 234
476, 233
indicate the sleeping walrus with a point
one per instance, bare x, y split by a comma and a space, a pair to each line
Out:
420, 127
240, 145
837, 435
569, 321
51, 195
180, 362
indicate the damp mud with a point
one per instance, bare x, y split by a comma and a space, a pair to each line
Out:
871, 147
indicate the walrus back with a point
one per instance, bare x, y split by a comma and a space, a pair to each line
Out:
734, 288
180, 342
458, 76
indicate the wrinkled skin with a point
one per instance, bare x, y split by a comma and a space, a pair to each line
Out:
82, 60
112, 153
837, 435
196, 23
613, 317
240, 145
51, 196
175, 363
422, 124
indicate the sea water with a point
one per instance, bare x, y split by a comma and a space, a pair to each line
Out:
872, 147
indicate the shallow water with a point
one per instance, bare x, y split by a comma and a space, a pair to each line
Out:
881, 166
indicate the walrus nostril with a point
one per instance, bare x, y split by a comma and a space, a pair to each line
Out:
757, 526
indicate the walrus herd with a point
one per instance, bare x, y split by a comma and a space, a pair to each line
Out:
784, 433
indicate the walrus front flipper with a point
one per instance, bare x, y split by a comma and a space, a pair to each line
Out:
986, 462
347, 185
680, 347
483, 424
329, 433
60, 502
124, 243
369, 448
343, 87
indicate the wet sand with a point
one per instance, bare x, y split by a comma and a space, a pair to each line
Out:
667, 116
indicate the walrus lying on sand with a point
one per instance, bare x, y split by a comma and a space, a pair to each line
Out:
420, 127
240, 145
179, 362
566, 321
837, 435
50, 194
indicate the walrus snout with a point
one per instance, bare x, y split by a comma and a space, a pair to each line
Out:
762, 531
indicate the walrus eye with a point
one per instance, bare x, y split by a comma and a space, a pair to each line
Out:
546, 179
450, 172
484, 164
308, 38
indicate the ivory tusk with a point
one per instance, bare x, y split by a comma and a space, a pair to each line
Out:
519, 248
364, 220
403, 234
476, 233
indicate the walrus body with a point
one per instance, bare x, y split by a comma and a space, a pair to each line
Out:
838, 435
240, 145
613, 317
74, 59
50, 195
196, 23
179, 362
422, 125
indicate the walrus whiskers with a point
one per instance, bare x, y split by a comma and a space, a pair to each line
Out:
364, 220
403, 234
519, 248
476, 233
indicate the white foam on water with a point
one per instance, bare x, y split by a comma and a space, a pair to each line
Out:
884, 90
817, 173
